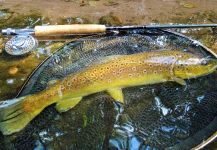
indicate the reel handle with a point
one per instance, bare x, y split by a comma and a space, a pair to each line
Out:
69, 29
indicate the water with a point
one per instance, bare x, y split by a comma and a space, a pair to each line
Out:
92, 121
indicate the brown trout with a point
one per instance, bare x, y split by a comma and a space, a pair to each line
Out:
111, 74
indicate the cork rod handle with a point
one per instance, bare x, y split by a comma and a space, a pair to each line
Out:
69, 29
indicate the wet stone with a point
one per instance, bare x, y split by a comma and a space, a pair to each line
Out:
13, 70
111, 3
215, 44
110, 19
1, 45
4, 15
187, 5
83, 3
74, 20
93, 3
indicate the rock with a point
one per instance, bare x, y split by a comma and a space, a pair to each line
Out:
1, 45
187, 5
10, 81
83, 3
111, 3
215, 44
80, 20
93, 3
5, 15
214, 47
110, 19
74, 20
13, 70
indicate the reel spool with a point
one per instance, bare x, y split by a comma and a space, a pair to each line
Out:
21, 44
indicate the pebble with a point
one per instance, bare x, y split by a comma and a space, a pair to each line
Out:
4, 15
1, 45
92, 3
187, 5
13, 70
215, 44
10, 81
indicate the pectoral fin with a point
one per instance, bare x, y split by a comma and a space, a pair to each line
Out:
179, 81
173, 77
116, 94
66, 104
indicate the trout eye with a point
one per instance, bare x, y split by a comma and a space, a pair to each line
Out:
204, 62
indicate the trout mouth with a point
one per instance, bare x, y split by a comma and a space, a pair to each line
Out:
210, 66
203, 67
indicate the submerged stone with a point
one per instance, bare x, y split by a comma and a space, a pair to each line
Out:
13, 70
4, 15
110, 19
1, 45
187, 4
111, 3
74, 20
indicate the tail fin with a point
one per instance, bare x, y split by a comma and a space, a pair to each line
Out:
13, 118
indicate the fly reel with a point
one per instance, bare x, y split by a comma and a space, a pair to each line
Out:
21, 44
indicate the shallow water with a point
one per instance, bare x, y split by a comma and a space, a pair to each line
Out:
17, 69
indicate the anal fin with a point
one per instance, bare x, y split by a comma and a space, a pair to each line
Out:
179, 81
117, 94
66, 104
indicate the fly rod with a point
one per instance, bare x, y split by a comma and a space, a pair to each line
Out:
23, 41
51, 30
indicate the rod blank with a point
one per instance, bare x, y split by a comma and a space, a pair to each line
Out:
162, 26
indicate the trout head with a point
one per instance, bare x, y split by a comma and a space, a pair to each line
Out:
192, 67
